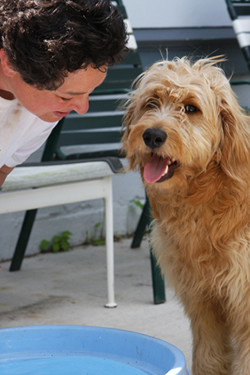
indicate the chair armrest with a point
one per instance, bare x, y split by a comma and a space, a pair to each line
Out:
36, 175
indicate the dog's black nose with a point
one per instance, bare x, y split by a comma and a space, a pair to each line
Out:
154, 137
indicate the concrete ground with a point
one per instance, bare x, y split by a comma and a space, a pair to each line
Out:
70, 288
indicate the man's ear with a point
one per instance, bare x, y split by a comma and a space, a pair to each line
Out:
7, 68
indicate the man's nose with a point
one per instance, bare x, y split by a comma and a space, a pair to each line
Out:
80, 104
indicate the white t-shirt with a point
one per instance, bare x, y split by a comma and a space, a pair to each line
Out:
21, 132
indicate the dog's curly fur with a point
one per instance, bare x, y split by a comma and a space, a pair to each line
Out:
186, 115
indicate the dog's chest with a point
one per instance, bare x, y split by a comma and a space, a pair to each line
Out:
184, 244
190, 235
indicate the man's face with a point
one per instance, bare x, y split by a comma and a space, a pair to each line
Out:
51, 106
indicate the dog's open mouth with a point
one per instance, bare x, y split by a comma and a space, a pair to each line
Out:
159, 169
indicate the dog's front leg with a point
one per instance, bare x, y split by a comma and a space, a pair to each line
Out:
212, 352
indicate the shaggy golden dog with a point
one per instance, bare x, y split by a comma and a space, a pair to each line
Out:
191, 142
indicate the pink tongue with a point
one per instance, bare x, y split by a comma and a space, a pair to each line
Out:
154, 169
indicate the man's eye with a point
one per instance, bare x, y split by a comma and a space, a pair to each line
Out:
65, 99
190, 108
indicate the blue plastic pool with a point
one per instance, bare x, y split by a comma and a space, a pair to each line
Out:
78, 350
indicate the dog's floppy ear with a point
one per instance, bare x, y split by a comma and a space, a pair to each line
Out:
128, 119
235, 143
131, 111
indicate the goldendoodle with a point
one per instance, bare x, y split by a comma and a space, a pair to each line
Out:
190, 139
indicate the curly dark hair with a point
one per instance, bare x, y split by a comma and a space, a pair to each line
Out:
44, 40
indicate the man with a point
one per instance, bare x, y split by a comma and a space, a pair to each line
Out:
53, 54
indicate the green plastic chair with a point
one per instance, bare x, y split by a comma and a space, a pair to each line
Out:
239, 12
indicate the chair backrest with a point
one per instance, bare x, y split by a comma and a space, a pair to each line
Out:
239, 11
98, 132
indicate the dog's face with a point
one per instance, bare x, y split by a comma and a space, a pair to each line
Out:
175, 121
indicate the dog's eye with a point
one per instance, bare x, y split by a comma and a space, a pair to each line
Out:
152, 104
189, 108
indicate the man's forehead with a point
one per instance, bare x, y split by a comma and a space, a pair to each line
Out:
82, 82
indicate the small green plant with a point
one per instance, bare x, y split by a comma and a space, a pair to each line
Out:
117, 237
98, 241
95, 239
58, 243
138, 204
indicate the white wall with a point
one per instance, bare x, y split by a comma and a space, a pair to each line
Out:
177, 13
